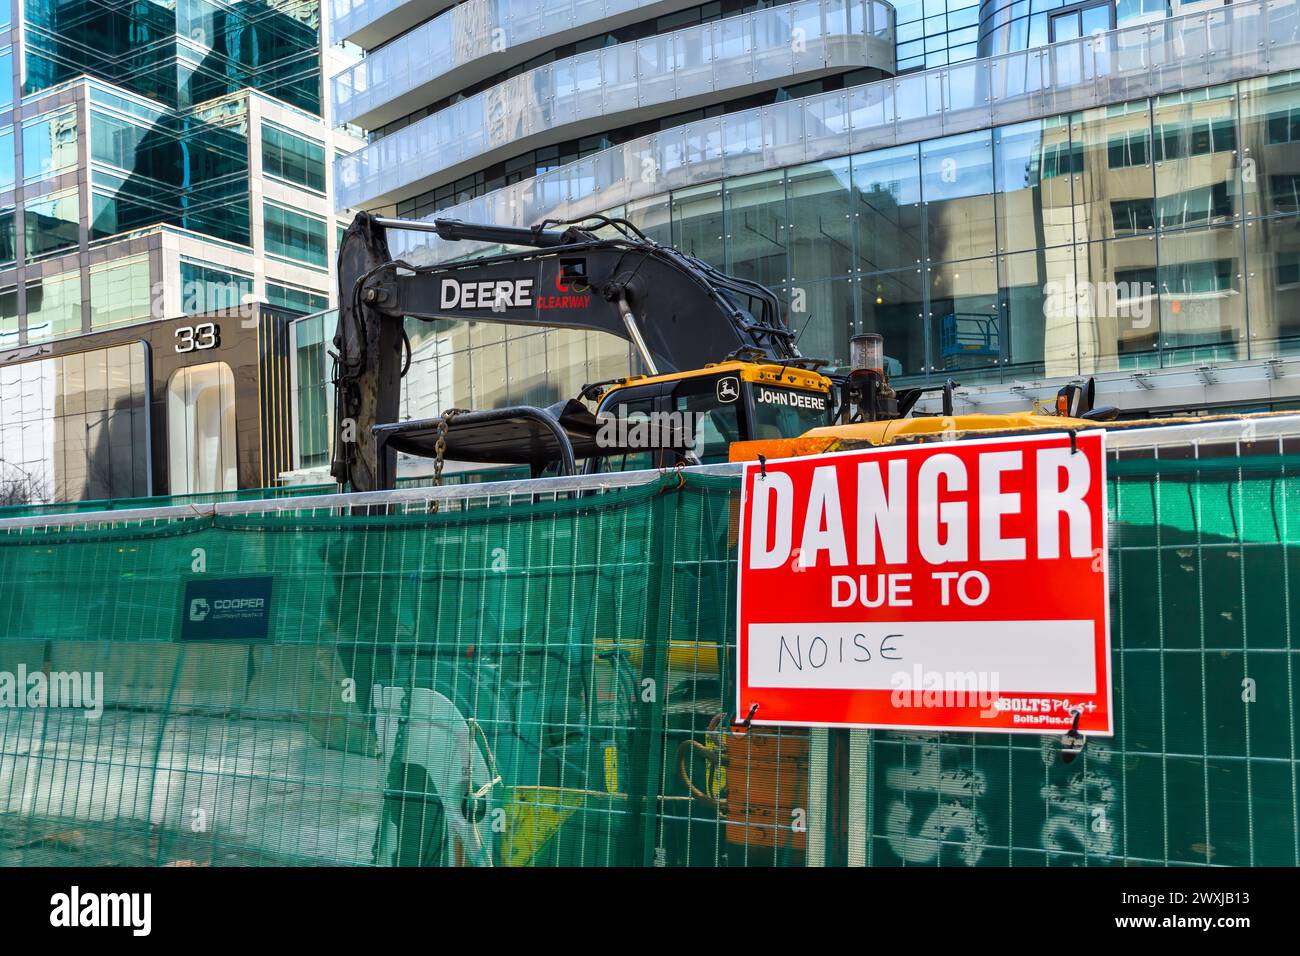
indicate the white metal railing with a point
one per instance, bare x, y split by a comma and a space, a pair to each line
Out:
776, 44
1254, 430
347, 17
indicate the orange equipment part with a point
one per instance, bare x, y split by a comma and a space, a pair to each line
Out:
765, 779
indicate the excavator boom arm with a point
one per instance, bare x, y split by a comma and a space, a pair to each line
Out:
679, 312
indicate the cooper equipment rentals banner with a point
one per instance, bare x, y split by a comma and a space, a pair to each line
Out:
945, 586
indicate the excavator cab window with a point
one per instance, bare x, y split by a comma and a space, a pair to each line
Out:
630, 408
710, 417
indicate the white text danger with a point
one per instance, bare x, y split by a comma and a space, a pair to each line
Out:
960, 512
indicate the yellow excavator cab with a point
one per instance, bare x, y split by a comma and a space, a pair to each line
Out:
765, 373
738, 400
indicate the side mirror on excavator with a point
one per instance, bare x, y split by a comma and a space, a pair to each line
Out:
1078, 400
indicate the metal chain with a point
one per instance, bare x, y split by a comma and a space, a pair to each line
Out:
440, 450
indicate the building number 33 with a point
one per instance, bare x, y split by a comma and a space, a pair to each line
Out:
196, 338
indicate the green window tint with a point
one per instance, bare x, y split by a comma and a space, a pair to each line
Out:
1288, 269
1190, 278
178, 53
293, 158
120, 292
1130, 216
1195, 206
313, 402
295, 300
1284, 126
1194, 138
54, 307
116, 141
150, 169
8, 175
206, 288
8, 317
294, 236
1062, 159
6, 71
49, 146
8, 237
1131, 148
52, 223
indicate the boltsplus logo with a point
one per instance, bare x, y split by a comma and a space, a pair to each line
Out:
74, 909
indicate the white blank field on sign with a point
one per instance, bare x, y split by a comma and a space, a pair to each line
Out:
1022, 656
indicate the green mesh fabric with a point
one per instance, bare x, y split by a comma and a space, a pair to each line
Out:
549, 683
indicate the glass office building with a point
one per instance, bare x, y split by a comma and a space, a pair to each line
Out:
157, 161
181, 53
1059, 193
193, 128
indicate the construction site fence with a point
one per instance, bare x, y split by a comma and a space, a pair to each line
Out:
540, 673
57, 508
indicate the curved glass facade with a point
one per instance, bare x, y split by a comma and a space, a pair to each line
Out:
434, 54
1009, 25
1245, 40
371, 22
766, 48
1156, 232
1110, 204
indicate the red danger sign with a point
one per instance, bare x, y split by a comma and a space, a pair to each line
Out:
946, 586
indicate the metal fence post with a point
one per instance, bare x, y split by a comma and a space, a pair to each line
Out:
648, 740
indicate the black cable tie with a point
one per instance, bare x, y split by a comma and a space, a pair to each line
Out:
1073, 742
1074, 442
762, 473
749, 718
